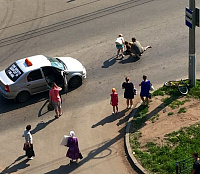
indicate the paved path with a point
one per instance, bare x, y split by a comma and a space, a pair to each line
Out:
102, 144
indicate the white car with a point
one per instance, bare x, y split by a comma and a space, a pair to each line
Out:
34, 74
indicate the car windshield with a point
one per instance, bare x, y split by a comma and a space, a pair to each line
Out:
56, 63
13, 72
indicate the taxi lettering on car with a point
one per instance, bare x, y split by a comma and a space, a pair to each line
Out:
32, 75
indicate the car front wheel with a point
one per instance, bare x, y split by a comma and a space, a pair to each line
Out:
75, 82
23, 96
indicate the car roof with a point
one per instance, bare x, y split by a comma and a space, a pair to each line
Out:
37, 62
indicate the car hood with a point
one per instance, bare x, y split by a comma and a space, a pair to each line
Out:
5, 79
72, 64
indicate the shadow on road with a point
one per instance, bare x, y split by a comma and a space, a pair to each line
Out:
10, 105
14, 168
109, 62
41, 126
110, 118
70, 1
40, 111
93, 154
130, 59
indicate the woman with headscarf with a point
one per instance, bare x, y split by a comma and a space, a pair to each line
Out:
73, 151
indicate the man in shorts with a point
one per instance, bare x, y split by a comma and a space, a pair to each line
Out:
137, 49
55, 98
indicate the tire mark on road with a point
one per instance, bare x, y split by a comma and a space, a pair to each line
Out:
71, 22
6, 16
36, 18
39, 5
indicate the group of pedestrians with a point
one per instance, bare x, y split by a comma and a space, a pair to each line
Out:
73, 151
72, 142
133, 47
129, 93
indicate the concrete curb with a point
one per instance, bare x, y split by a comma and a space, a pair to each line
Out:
133, 160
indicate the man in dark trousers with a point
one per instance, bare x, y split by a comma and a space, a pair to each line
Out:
137, 49
196, 165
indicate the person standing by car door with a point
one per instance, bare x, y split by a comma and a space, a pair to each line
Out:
55, 98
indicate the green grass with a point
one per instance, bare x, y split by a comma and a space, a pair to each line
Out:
195, 91
182, 110
173, 102
170, 113
154, 118
158, 92
176, 103
176, 146
139, 117
173, 91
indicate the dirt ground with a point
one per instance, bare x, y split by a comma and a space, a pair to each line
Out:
154, 130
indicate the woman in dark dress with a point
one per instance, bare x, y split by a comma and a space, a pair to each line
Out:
128, 92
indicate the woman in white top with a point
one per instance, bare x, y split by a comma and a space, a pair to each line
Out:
29, 142
120, 45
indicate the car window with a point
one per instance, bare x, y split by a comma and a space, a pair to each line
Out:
34, 75
13, 72
56, 63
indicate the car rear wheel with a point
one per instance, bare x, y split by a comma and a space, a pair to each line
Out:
75, 82
23, 96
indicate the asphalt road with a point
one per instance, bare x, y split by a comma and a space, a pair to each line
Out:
86, 30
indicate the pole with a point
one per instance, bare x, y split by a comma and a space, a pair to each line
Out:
177, 167
192, 53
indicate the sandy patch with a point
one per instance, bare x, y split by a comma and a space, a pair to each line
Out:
154, 131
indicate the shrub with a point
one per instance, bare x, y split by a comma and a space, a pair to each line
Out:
170, 113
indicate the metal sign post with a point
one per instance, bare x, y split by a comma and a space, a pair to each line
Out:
192, 53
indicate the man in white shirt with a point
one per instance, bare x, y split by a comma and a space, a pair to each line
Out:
29, 142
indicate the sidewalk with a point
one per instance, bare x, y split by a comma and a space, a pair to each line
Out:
132, 159
101, 141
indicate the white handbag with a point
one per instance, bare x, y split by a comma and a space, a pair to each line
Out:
151, 88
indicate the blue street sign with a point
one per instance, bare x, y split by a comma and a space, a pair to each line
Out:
188, 17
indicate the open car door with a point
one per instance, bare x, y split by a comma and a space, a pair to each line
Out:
65, 83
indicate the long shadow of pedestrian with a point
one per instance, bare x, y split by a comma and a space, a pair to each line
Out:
41, 126
70, 1
130, 59
93, 154
16, 167
154, 111
109, 62
40, 111
62, 93
110, 118
123, 119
